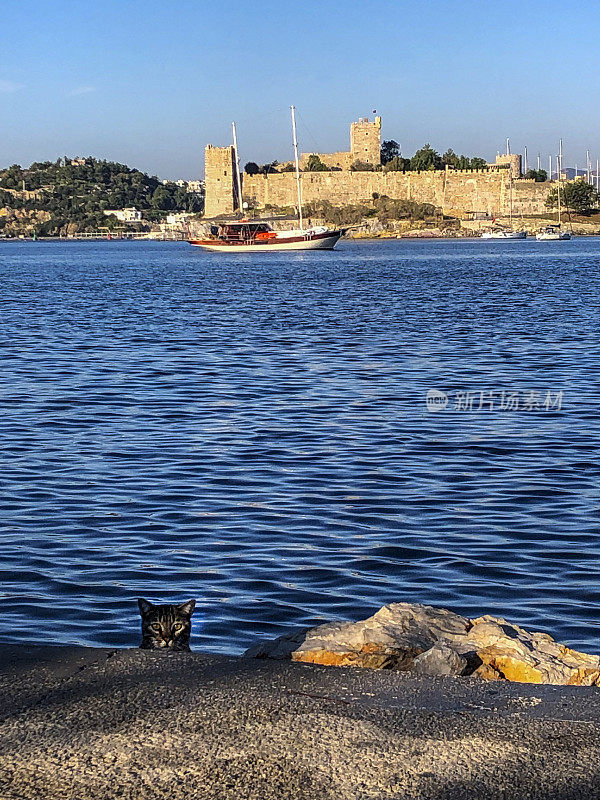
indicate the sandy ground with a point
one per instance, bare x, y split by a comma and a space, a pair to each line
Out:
78, 723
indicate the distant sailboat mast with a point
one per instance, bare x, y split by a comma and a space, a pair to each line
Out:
559, 159
237, 167
293, 108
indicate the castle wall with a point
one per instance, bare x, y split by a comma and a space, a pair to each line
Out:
340, 160
455, 192
529, 197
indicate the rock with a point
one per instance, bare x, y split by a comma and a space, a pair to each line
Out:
518, 655
280, 648
435, 642
391, 638
441, 660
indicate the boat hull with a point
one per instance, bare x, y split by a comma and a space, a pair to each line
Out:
323, 241
505, 235
552, 237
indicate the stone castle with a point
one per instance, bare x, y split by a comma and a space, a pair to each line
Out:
458, 193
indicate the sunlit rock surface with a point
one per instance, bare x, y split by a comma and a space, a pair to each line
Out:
432, 641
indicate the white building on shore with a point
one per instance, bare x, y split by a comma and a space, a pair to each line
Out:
125, 214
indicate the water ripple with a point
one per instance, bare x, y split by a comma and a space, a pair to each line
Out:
253, 432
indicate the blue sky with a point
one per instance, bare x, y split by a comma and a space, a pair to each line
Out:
150, 83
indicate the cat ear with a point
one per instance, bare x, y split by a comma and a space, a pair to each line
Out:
187, 608
144, 606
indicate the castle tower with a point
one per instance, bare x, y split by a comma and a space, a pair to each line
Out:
513, 161
365, 141
221, 181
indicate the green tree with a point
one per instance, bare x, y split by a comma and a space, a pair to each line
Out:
578, 196
450, 159
163, 199
314, 164
270, 168
478, 163
390, 149
538, 175
397, 164
194, 203
426, 159
251, 168
12, 178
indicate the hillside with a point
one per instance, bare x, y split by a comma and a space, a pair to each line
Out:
69, 196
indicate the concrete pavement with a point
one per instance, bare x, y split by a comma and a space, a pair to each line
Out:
81, 723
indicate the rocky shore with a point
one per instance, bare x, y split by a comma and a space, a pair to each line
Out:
423, 640
96, 723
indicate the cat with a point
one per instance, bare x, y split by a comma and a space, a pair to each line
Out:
166, 626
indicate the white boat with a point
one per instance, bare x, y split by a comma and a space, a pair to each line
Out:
503, 233
258, 235
552, 233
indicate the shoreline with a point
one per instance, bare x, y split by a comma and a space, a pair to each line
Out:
110, 723
370, 237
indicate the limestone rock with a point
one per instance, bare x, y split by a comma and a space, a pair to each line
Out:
518, 655
436, 642
441, 660
391, 638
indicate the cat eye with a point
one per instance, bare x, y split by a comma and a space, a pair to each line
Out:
155, 626
179, 626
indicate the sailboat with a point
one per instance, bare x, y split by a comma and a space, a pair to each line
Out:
257, 235
503, 231
553, 232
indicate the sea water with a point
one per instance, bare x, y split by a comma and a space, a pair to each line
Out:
298, 437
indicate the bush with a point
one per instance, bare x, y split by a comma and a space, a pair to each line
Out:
362, 166
383, 208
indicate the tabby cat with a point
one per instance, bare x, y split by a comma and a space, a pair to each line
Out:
166, 625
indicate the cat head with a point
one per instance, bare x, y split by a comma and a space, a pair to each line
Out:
166, 626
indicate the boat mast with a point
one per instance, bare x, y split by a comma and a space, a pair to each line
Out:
559, 159
237, 167
297, 167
